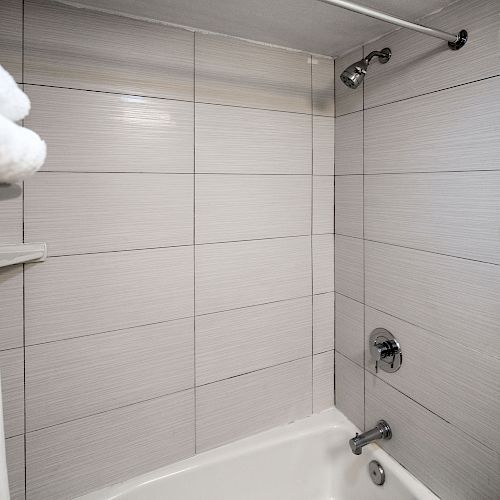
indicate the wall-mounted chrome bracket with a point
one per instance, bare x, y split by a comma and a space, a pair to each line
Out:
385, 350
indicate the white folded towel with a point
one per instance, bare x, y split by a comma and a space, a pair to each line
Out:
22, 152
14, 103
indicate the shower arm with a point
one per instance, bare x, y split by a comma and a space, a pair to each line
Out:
455, 42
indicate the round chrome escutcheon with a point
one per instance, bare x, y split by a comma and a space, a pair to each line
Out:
377, 473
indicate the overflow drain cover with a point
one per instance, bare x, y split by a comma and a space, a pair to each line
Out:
377, 473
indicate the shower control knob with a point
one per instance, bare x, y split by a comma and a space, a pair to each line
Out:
385, 350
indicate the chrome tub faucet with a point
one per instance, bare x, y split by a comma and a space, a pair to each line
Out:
380, 431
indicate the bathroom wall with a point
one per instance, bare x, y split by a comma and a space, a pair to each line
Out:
187, 204
417, 249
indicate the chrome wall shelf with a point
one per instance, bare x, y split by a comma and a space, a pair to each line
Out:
23, 252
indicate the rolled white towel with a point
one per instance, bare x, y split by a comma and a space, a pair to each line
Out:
22, 152
14, 103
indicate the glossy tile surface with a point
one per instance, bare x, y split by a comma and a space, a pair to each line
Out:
119, 369
456, 129
11, 307
461, 221
235, 342
446, 295
86, 213
349, 144
78, 48
235, 72
231, 275
466, 468
349, 205
11, 37
323, 86
323, 322
14, 450
12, 370
349, 389
246, 207
349, 271
323, 204
323, 381
120, 289
323, 263
11, 221
440, 378
71, 459
349, 328
251, 141
422, 64
102, 132
323, 145
234, 408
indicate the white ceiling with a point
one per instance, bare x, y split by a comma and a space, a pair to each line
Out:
308, 25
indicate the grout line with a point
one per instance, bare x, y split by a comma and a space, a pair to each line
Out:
163, 98
334, 235
427, 172
128, 405
23, 270
118, 330
421, 95
194, 241
312, 232
264, 174
364, 249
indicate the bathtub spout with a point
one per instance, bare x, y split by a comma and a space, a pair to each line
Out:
380, 431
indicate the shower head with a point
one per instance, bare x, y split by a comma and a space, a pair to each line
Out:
354, 75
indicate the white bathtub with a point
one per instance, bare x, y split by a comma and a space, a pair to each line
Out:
307, 460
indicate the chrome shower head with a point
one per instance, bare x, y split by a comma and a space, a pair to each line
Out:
354, 75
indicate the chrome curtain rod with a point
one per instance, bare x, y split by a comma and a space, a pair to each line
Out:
455, 42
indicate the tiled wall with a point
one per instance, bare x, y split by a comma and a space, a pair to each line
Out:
417, 249
187, 204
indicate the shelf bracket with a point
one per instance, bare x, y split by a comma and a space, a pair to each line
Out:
21, 253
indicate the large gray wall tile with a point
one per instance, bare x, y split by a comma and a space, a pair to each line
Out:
251, 403
349, 144
349, 270
231, 71
240, 341
14, 449
251, 141
323, 86
11, 208
421, 64
231, 275
71, 459
458, 384
347, 100
349, 205
349, 328
451, 296
79, 48
79, 295
12, 372
323, 204
100, 132
245, 207
453, 465
83, 213
11, 307
450, 213
323, 145
11, 37
323, 322
349, 389
323, 251
455, 129
119, 368
323, 381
